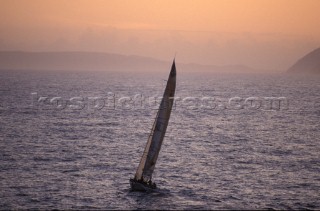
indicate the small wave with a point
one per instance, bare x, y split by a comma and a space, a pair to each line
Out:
42, 159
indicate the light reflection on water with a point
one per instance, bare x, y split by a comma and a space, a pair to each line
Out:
210, 159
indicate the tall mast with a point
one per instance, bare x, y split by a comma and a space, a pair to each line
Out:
153, 146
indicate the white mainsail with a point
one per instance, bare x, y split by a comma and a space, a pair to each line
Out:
152, 149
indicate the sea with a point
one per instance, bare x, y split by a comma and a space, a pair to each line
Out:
72, 140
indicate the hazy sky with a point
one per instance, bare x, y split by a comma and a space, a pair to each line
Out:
258, 33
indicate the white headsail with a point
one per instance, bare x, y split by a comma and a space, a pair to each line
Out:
152, 149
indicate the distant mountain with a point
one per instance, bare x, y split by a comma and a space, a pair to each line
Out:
94, 61
310, 63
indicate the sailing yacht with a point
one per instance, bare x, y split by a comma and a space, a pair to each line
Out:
142, 180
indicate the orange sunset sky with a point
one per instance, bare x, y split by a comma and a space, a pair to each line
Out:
267, 34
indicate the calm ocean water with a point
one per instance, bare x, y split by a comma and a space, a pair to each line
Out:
73, 140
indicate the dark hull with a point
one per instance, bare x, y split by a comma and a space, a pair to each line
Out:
141, 186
